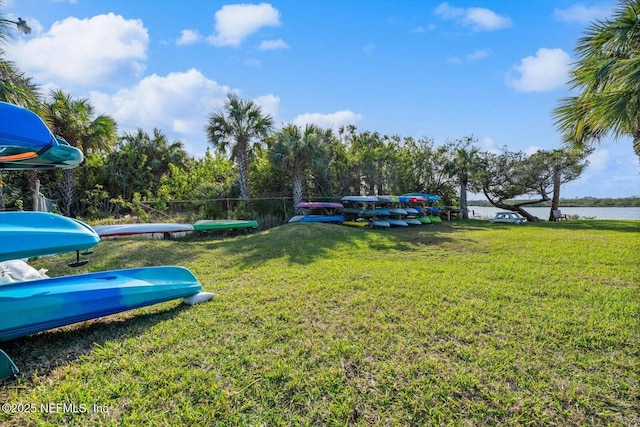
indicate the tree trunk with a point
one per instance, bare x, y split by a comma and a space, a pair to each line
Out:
463, 198
555, 201
67, 188
243, 174
32, 178
297, 187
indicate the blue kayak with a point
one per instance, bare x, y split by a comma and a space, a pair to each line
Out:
27, 143
38, 305
322, 218
29, 234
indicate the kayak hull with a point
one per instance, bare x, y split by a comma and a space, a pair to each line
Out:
323, 218
30, 234
223, 224
27, 143
38, 305
145, 228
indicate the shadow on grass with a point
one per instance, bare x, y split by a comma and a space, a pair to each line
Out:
298, 243
302, 243
42, 353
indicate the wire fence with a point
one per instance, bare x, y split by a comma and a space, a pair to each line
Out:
268, 211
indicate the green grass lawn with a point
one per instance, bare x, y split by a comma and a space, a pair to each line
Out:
461, 323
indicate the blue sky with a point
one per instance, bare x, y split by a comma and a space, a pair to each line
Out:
434, 69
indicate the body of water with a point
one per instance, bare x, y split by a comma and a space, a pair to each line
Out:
480, 212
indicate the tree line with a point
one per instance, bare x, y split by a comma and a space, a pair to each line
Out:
249, 157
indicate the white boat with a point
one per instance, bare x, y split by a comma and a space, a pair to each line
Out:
118, 230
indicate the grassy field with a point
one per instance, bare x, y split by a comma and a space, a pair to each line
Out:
462, 323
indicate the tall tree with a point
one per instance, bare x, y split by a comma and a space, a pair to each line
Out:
555, 168
464, 161
73, 119
140, 163
237, 126
293, 150
506, 176
606, 74
368, 154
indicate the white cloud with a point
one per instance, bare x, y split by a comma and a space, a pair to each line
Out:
478, 54
328, 121
368, 48
581, 14
273, 44
269, 105
599, 160
178, 104
449, 12
547, 70
489, 145
235, 22
84, 51
613, 171
476, 18
532, 150
188, 37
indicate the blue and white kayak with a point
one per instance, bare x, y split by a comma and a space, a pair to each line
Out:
29, 234
38, 305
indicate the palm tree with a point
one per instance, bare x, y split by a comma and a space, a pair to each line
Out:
154, 154
236, 126
293, 150
607, 75
463, 162
73, 120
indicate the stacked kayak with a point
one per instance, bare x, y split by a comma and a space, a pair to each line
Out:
319, 212
360, 210
38, 305
423, 203
27, 143
30, 306
397, 215
30, 234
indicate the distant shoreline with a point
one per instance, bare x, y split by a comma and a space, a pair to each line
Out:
582, 202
